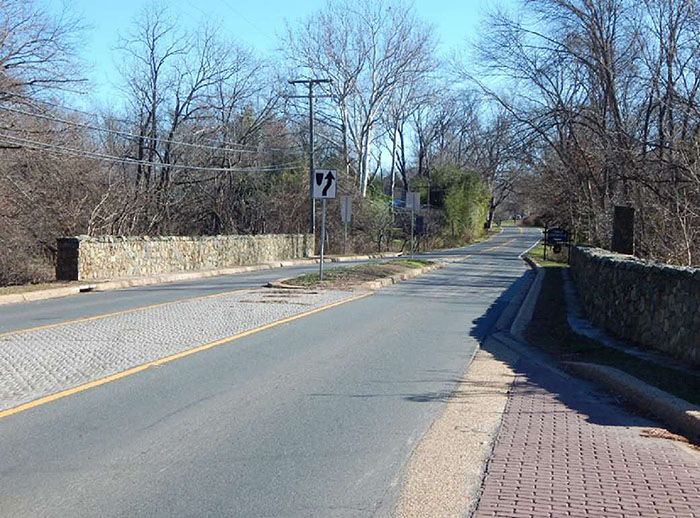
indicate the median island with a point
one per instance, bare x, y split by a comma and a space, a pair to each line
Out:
363, 276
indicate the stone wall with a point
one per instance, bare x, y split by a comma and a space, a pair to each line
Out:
109, 257
648, 304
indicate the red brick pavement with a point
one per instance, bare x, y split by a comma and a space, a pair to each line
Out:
560, 453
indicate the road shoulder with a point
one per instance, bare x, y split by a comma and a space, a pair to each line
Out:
445, 471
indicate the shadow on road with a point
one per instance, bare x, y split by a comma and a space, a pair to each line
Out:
535, 375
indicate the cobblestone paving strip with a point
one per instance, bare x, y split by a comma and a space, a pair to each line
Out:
556, 457
38, 363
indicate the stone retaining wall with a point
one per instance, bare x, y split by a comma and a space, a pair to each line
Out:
109, 257
649, 304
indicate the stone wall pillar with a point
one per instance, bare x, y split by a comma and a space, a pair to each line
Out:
623, 231
67, 258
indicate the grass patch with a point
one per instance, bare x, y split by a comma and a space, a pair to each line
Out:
550, 330
553, 260
412, 263
344, 277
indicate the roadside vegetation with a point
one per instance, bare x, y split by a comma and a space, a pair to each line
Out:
348, 277
201, 140
553, 260
550, 330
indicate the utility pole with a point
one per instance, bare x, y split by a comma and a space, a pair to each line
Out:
310, 84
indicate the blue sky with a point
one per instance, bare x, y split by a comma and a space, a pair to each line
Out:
254, 23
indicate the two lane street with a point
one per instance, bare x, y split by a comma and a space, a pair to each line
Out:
316, 416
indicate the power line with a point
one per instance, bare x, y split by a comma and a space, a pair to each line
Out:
123, 133
47, 103
245, 19
45, 146
243, 147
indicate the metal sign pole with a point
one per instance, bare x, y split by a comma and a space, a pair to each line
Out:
323, 238
412, 219
545, 243
345, 214
345, 237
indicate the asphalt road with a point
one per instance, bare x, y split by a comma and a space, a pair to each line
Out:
315, 417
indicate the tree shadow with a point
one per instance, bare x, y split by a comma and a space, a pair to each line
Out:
537, 376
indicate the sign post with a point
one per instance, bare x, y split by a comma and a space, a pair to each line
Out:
420, 229
324, 187
412, 220
412, 203
323, 237
345, 215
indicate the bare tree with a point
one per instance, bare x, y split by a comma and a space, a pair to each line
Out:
370, 50
608, 88
37, 50
195, 99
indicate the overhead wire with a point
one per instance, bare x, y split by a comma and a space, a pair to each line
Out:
41, 146
123, 133
233, 147
111, 158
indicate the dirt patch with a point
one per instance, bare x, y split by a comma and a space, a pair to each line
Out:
26, 288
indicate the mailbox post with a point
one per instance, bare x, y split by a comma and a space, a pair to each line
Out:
556, 237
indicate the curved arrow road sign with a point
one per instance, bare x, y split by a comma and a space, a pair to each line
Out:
325, 182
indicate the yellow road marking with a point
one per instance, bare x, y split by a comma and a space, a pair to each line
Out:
123, 312
167, 359
499, 246
521, 230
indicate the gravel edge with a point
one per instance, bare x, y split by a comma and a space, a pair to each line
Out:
444, 475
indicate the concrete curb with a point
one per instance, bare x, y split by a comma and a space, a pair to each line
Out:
507, 317
369, 285
532, 354
680, 414
394, 279
134, 282
527, 309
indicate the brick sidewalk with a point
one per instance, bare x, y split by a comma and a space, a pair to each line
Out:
563, 451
